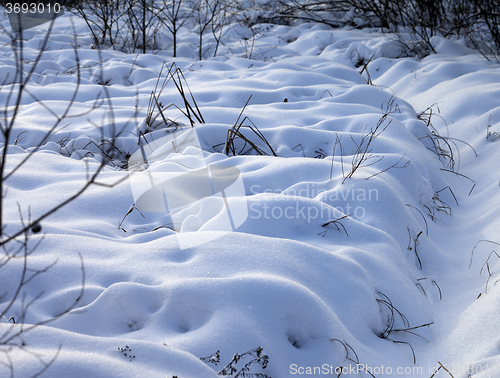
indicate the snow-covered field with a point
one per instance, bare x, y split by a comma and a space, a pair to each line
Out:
364, 273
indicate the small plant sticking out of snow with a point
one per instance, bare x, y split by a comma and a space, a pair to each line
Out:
486, 264
213, 359
442, 146
154, 119
437, 204
336, 223
231, 369
394, 313
235, 134
362, 156
351, 356
127, 352
489, 134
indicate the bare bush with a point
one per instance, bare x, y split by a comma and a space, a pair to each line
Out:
413, 22
143, 24
21, 237
205, 13
174, 14
103, 17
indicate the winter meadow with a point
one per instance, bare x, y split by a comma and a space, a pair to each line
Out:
246, 188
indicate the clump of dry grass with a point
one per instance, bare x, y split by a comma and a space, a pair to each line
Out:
235, 133
256, 357
393, 314
443, 146
436, 204
337, 223
486, 263
351, 356
492, 136
156, 108
102, 149
364, 64
363, 156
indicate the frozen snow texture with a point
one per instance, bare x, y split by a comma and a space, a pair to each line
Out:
288, 278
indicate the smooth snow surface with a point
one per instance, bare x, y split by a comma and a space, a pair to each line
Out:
311, 295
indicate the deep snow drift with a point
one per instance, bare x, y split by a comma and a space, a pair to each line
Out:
318, 295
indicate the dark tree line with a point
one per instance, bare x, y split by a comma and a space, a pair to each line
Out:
477, 21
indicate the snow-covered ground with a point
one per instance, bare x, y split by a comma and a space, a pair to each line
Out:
391, 289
